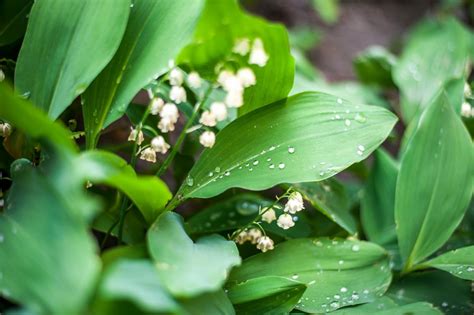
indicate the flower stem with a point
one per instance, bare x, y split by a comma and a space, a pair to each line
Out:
183, 133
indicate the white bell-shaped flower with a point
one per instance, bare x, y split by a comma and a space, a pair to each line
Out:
170, 111
136, 135
242, 237
208, 119
223, 76
294, 203
241, 46
254, 235
269, 216
234, 99
2, 75
148, 154
233, 84
178, 94
285, 221
219, 110
246, 77
166, 125
207, 139
5, 130
194, 80
159, 144
156, 105
265, 244
176, 77
466, 110
258, 56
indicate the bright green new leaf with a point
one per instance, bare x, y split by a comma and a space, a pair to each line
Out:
13, 19
156, 32
450, 294
221, 25
377, 204
267, 295
46, 251
330, 197
436, 53
149, 193
337, 272
32, 121
186, 268
458, 262
434, 183
136, 281
307, 137
67, 44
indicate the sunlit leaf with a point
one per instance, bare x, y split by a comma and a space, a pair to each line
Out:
67, 44
432, 191
337, 272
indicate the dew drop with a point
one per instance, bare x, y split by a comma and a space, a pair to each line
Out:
255, 162
337, 296
269, 159
211, 174
217, 169
281, 166
361, 147
355, 248
227, 173
339, 101
2, 238
347, 122
272, 166
338, 117
343, 289
291, 150
341, 262
294, 277
189, 181
360, 118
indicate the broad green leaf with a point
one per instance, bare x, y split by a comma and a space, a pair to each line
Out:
13, 19
377, 204
458, 262
155, 33
268, 295
46, 251
357, 93
136, 281
434, 185
337, 272
330, 197
32, 121
451, 295
128, 252
222, 23
186, 268
67, 44
383, 307
374, 66
445, 44
238, 211
214, 303
307, 137
148, 193
328, 10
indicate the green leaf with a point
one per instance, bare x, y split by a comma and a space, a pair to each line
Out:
67, 44
450, 294
156, 31
330, 197
13, 20
46, 251
299, 139
374, 66
328, 10
445, 44
240, 210
458, 262
222, 23
186, 268
149, 193
32, 121
214, 303
337, 272
434, 183
267, 295
377, 204
128, 252
385, 306
136, 281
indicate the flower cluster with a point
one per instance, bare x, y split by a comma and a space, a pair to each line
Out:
232, 80
285, 221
